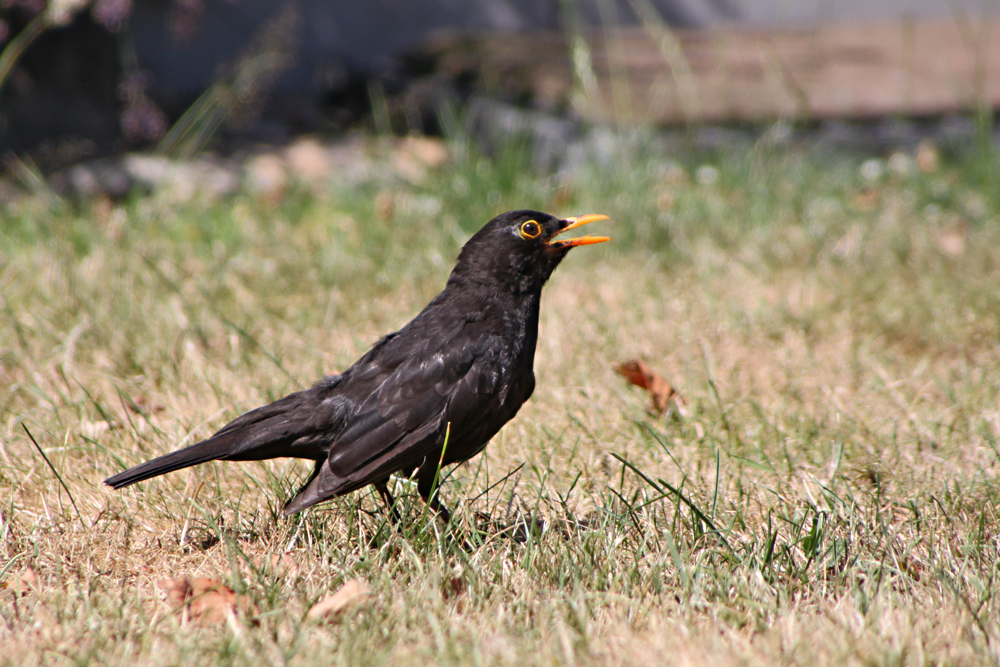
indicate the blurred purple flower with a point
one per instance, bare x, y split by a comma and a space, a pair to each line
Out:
30, 7
183, 18
111, 13
142, 121
134, 85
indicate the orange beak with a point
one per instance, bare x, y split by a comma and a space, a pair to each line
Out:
573, 223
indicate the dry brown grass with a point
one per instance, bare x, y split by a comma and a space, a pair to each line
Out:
841, 371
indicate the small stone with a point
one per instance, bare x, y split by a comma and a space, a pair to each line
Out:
413, 157
309, 161
429, 151
265, 176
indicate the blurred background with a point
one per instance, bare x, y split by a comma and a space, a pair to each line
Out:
86, 79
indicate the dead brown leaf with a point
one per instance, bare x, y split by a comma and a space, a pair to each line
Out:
22, 583
641, 375
351, 594
453, 585
205, 602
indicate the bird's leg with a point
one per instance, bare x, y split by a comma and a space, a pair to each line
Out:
383, 489
425, 485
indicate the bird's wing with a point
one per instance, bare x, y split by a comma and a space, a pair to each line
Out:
440, 381
410, 396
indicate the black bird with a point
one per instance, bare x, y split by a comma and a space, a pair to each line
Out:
460, 370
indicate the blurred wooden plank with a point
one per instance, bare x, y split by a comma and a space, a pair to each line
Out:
913, 68
650, 75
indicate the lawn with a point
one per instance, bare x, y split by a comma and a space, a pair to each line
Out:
826, 494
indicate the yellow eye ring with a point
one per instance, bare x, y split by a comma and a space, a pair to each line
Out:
530, 229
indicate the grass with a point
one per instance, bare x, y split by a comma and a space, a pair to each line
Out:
829, 497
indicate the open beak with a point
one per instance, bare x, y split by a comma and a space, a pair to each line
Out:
573, 223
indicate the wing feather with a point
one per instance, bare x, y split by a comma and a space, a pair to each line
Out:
407, 406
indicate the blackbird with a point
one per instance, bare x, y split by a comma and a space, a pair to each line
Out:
431, 394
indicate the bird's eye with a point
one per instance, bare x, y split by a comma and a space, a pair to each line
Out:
530, 230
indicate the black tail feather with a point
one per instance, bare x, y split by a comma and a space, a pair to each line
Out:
207, 450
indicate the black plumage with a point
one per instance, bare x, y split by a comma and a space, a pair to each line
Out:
464, 366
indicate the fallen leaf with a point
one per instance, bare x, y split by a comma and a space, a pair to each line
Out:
22, 583
453, 585
352, 593
641, 375
205, 602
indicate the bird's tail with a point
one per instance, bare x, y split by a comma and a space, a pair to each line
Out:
207, 450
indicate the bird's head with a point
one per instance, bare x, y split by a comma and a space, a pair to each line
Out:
519, 249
